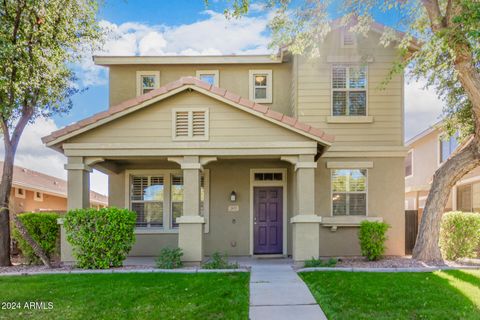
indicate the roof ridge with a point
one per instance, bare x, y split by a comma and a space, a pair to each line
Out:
193, 81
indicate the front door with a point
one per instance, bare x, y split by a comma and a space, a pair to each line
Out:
268, 220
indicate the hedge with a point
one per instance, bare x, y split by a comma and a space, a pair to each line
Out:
100, 238
43, 228
372, 238
460, 235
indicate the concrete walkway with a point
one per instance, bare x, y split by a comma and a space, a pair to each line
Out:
277, 292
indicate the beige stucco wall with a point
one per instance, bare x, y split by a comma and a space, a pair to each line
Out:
154, 124
313, 93
232, 77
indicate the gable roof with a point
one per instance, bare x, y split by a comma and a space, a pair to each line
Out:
178, 86
36, 181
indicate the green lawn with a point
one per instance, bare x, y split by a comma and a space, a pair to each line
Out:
129, 296
438, 295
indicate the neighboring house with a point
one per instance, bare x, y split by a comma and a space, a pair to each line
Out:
427, 151
33, 191
249, 155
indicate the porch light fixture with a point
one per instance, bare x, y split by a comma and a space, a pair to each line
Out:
233, 196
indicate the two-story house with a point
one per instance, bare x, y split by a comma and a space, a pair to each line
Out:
426, 153
249, 154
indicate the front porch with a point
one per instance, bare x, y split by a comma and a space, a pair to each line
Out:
239, 205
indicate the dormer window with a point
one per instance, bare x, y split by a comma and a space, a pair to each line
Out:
260, 86
348, 39
147, 81
208, 76
190, 124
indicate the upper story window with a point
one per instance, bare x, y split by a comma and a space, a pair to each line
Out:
147, 81
20, 193
348, 39
446, 147
349, 90
349, 192
208, 76
38, 196
409, 164
190, 124
260, 86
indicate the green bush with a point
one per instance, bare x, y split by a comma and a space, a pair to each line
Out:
372, 238
43, 228
318, 263
100, 238
460, 235
219, 261
170, 258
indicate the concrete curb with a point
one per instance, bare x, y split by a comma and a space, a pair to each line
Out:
111, 271
421, 269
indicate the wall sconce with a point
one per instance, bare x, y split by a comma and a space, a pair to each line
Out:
233, 196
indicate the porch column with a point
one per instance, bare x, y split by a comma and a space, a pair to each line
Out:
78, 197
306, 224
190, 236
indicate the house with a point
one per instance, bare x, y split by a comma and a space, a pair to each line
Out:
426, 153
33, 191
248, 154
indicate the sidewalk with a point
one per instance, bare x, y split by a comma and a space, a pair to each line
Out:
277, 292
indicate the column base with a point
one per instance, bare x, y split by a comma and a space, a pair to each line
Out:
190, 238
306, 237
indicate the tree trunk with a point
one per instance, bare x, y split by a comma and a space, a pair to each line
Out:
467, 158
5, 187
35, 246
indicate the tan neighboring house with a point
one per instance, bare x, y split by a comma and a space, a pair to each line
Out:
33, 191
426, 153
248, 154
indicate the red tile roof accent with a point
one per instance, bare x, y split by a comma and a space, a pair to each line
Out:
191, 81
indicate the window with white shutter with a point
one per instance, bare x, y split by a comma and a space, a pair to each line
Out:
147, 199
349, 90
349, 192
191, 124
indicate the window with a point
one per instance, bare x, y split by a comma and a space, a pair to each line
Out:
409, 164
20, 193
260, 86
37, 196
147, 81
349, 90
177, 197
147, 200
468, 197
447, 147
209, 76
190, 124
349, 192
268, 176
348, 39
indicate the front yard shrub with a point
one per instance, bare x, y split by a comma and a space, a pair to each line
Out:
100, 238
372, 238
219, 261
319, 263
170, 258
43, 228
460, 235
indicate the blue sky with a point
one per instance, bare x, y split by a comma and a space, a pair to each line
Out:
178, 27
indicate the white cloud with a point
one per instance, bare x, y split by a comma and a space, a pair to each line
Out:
214, 35
422, 108
34, 155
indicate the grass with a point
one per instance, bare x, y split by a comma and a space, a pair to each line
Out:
129, 296
356, 295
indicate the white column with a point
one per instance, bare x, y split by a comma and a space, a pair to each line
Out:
306, 224
191, 224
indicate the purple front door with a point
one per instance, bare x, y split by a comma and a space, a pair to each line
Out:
268, 220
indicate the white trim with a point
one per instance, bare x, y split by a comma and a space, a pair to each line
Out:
349, 119
190, 136
167, 210
38, 198
349, 164
18, 194
366, 192
218, 59
347, 88
349, 59
215, 73
272, 183
251, 86
412, 152
139, 86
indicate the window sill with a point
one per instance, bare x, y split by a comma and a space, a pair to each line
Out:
139, 230
349, 119
346, 221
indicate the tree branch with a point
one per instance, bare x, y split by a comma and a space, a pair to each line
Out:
434, 14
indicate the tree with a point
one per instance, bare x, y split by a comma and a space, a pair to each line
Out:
440, 43
38, 41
